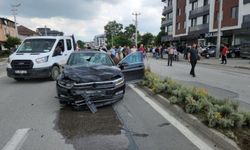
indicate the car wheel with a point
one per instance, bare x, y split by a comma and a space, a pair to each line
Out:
55, 71
19, 79
233, 55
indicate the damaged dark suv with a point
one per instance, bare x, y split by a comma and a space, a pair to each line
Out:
92, 79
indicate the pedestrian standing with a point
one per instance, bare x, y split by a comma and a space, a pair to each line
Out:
175, 54
224, 54
192, 58
170, 55
133, 49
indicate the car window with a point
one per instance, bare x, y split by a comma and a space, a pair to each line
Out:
90, 59
132, 58
69, 44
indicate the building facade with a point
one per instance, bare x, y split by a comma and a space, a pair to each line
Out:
48, 32
24, 32
195, 21
7, 28
100, 40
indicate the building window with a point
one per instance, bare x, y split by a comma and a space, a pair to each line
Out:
185, 25
205, 2
235, 12
178, 26
178, 12
194, 22
205, 19
169, 30
194, 5
169, 3
169, 16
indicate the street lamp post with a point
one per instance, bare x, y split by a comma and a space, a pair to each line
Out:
136, 14
219, 29
14, 12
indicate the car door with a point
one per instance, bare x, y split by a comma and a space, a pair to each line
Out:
132, 66
58, 53
68, 49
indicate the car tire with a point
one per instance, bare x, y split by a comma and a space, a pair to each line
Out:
55, 72
233, 55
19, 79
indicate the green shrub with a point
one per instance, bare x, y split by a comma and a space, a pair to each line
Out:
191, 105
199, 93
246, 116
225, 110
173, 100
225, 123
213, 118
5, 53
238, 119
204, 105
159, 87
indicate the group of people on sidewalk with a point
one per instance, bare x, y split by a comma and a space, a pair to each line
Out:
193, 55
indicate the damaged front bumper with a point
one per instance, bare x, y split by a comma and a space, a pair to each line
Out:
87, 94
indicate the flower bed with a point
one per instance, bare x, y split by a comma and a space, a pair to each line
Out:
222, 115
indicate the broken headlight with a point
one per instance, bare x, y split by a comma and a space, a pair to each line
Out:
119, 82
65, 84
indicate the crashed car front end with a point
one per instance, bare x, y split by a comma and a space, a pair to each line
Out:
93, 91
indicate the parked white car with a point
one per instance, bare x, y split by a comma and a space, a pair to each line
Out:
40, 57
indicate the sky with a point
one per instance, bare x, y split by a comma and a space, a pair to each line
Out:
84, 18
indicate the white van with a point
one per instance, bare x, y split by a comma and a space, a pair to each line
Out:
40, 57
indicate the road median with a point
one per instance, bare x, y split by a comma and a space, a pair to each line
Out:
220, 140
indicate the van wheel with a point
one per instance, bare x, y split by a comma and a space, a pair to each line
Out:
19, 79
55, 71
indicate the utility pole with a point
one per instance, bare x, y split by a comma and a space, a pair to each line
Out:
136, 14
219, 29
14, 12
45, 28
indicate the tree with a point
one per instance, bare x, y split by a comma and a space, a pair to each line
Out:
129, 31
158, 37
121, 40
12, 42
112, 29
147, 39
80, 44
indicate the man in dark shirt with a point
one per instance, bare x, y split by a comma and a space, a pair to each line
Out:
192, 58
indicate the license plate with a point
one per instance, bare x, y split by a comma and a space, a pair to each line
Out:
21, 71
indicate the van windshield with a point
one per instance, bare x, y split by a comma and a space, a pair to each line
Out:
36, 46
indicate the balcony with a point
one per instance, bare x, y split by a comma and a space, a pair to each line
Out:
246, 21
246, 1
167, 22
167, 10
201, 11
199, 28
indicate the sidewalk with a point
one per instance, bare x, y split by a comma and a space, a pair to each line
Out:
3, 61
231, 62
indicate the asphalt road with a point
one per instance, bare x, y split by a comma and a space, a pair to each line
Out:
130, 124
220, 81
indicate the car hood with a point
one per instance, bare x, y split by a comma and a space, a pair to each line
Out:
91, 73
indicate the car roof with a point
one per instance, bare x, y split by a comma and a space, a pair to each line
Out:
47, 37
88, 51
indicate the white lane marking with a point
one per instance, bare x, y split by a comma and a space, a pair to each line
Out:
16, 142
183, 129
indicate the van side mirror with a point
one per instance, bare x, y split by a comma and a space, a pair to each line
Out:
121, 65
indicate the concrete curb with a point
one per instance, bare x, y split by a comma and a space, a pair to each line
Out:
216, 137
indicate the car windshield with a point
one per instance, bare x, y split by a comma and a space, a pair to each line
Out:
36, 46
90, 59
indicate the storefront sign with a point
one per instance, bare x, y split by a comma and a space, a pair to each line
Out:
212, 34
